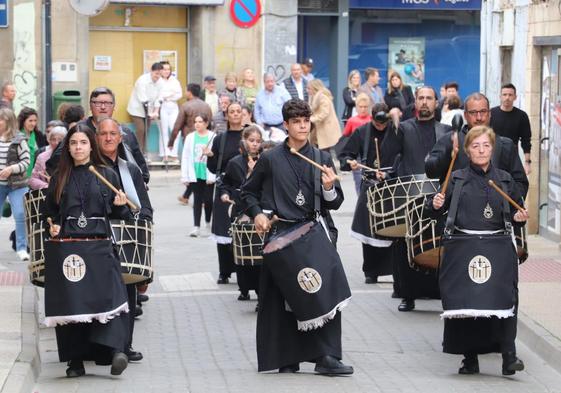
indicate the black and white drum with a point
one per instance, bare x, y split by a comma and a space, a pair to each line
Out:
34, 202
388, 200
309, 273
134, 240
247, 244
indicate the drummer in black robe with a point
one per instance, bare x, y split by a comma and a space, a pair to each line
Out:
480, 208
79, 206
109, 139
225, 146
505, 153
282, 184
237, 171
376, 252
412, 141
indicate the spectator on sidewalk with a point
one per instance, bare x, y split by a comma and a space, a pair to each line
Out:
209, 94
372, 87
269, 102
295, 84
8, 95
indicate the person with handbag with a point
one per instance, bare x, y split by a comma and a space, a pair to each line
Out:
478, 275
301, 294
81, 264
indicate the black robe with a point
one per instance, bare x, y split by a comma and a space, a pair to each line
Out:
413, 141
377, 253
480, 335
88, 341
234, 176
273, 185
505, 157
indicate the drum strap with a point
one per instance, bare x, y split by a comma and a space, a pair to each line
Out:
366, 146
221, 153
317, 182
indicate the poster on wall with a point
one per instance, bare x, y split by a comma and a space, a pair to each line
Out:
155, 55
406, 55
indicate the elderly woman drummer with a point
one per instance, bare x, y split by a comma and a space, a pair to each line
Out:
480, 210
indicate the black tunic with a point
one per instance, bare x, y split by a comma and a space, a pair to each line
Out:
514, 125
234, 177
480, 335
273, 185
505, 157
88, 341
376, 252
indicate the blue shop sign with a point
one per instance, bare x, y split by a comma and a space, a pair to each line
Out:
417, 4
3, 13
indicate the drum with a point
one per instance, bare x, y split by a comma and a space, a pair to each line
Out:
247, 244
388, 200
521, 242
34, 202
134, 243
423, 235
308, 272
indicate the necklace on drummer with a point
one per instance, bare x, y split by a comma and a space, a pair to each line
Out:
300, 199
82, 220
488, 210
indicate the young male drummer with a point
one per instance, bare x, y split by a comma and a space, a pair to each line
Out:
413, 140
109, 139
283, 184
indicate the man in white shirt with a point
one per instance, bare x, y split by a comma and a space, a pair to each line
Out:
296, 85
145, 101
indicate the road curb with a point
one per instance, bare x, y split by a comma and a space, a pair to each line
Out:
26, 369
540, 341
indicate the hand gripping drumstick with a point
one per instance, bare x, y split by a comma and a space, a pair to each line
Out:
504, 195
295, 152
363, 166
92, 169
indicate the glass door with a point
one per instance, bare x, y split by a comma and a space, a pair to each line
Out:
550, 145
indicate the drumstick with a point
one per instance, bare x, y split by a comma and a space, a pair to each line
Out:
363, 166
206, 147
111, 186
447, 178
44, 175
377, 153
504, 195
321, 168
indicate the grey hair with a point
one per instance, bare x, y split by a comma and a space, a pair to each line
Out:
59, 131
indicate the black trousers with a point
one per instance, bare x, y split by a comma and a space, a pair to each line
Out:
131, 294
203, 195
225, 260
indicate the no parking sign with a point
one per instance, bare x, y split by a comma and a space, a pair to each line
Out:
245, 13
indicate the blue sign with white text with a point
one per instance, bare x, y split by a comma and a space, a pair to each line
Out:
3, 13
417, 4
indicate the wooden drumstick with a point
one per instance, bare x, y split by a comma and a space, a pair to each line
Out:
111, 186
363, 166
206, 147
377, 154
321, 168
505, 196
447, 178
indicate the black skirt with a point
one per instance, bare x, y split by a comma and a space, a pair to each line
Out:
413, 283
221, 221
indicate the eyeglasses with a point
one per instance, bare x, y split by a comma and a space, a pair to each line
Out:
99, 104
482, 112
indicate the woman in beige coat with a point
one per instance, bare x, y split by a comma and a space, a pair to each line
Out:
326, 130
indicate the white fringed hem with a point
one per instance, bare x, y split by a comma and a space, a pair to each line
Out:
103, 317
318, 322
471, 313
370, 240
220, 239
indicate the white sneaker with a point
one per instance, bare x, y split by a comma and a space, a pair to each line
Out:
23, 255
195, 232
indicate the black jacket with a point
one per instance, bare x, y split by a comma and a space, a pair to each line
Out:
405, 103
505, 157
291, 88
349, 97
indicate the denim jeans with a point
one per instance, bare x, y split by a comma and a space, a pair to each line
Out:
15, 196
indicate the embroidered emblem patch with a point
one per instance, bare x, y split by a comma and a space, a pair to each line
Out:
309, 280
74, 268
479, 269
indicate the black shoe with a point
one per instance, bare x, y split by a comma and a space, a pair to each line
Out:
138, 311
75, 369
370, 280
133, 355
142, 298
395, 295
243, 296
328, 365
291, 368
223, 280
257, 307
470, 365
511, 363
406, 305
119, 363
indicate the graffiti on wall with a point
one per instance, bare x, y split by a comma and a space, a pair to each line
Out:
280, 51
25, 70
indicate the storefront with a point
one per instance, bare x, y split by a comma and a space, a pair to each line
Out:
427, 41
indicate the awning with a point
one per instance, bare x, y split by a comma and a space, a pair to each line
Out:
169, 2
